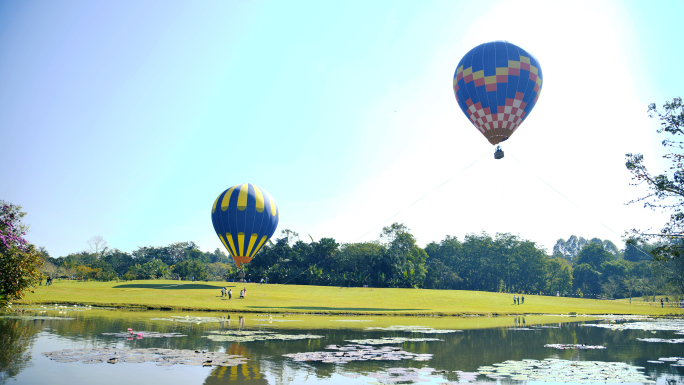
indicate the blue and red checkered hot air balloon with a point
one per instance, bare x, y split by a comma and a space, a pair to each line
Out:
244, 217
497, 85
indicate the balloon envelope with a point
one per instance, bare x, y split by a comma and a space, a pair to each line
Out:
244, 217
497, 85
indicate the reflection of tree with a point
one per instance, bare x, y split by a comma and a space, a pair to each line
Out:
16, 339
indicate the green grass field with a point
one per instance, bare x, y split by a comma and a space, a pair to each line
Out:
206, 296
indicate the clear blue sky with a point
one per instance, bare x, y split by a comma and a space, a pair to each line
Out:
126, 119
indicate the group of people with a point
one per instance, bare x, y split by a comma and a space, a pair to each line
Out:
229, 293
516, 298
48, 281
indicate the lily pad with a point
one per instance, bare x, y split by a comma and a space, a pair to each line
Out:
574, 346
195, 320
675, 325
555, 370
348, 353
253, 335
669, 341
164, 357
391, 340
135, 334
35, 317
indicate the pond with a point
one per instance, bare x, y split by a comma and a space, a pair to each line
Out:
80, 345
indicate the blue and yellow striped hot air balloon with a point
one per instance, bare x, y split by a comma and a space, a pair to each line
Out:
497, 85
244, 216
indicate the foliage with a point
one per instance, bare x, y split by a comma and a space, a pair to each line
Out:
504, 263
594, 255
665, 191
570, 249
20, 261
16, 339
499, 263
586, 280
190, 270
558, 276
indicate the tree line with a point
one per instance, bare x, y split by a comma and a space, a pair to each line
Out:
499, 263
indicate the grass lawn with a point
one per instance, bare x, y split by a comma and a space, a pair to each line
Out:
166, 294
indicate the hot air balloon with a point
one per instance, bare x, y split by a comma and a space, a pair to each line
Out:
244, 216
497, 85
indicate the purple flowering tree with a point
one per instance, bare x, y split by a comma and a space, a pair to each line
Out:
19, 260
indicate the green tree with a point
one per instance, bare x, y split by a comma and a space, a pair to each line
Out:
119, 261
594, 255
558, 276
190, 269
404, 262
355, 264
665, 191
20, 261
219, 271
586, 279
442, 263
637, 250
155, 269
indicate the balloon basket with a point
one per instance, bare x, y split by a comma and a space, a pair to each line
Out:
498, 154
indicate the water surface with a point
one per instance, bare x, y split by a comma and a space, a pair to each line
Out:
476, 343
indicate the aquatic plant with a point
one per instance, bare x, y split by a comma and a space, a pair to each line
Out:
574, 346
163, 357
253, 335
669, 341
144, 334
390, 340
555, 370
35, 317
676, 325
349, 353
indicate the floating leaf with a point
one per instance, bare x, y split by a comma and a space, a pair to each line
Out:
391, 340
195, 320
164, 357
35, 317
649, 325
348, 353
250, 335
554, 370
574, 346
135, 334
669, 341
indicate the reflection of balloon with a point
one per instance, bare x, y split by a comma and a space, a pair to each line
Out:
244, 218
497, 85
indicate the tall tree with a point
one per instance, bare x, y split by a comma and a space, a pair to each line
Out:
404, 262
558, 276
665, 191
594, 255
20, 261
97, 245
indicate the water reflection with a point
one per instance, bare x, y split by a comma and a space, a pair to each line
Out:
249, 373
16, 341
515, 338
